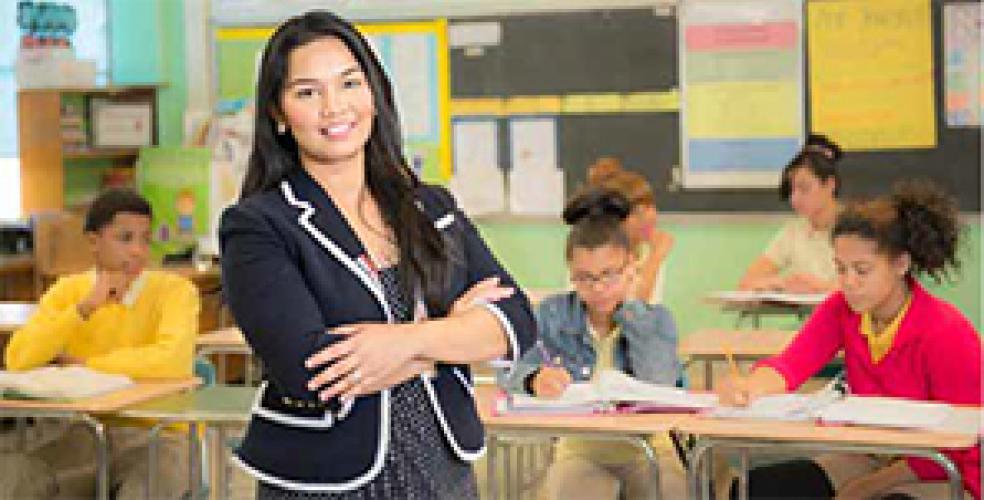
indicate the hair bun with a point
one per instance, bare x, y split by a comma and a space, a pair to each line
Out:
596, 203
821, 144
603, 169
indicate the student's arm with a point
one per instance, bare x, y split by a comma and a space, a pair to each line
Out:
659, 248
763, 274
49, 330
171, 354
816, 343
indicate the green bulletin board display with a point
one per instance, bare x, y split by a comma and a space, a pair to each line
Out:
175, 181
415, 56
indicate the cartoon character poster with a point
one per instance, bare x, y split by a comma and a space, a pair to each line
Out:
176, 182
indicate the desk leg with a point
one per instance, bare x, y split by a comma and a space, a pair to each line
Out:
194, 462
152, 445
708, 374
742, 474
952, 474
507, 486
491, 478
655, 485
694, 480
102, 455
221, 482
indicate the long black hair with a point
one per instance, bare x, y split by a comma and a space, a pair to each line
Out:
820, 155
596, 216
391, 182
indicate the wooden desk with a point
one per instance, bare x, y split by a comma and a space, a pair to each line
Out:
776, 435
634, 429
708, 346
84, 410
217, 409
17, 277
223, 343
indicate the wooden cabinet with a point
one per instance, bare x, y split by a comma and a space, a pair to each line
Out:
54, 132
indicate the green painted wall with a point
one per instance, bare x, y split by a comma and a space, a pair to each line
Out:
147, 45
706, 257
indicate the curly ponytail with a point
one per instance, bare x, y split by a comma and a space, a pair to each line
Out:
917, 218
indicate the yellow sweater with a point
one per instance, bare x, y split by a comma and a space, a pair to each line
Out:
154, 336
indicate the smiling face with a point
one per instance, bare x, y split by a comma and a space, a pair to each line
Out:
869, 277
326, 102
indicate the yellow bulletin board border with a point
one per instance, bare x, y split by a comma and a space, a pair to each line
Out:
436, 27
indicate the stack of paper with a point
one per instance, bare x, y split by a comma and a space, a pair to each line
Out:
886, 412
54, 382
769, 296
612, 389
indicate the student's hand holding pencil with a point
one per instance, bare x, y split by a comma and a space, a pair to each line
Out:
738, 389
551, 381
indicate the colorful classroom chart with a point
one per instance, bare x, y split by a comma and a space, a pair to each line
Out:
742, 90
871, 73
175, 180
415, 57
962, 64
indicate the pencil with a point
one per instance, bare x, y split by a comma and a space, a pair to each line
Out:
729, 354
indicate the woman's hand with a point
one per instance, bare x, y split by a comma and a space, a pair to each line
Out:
487, 290
550, 382
370, 355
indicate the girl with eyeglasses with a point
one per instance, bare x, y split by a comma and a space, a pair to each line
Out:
595, 327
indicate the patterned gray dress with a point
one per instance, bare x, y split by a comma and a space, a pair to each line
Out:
419, 463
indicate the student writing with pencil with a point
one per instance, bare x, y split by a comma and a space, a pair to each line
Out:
598, 327
898, 341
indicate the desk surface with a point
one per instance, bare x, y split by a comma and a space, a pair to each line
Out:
743, 343
771, 430
226, 337
16, 263
611, 424
14, 315
212, 404
143, 390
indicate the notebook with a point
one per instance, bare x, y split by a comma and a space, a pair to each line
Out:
612, 390
60, 382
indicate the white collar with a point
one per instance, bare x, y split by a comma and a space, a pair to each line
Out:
132, 292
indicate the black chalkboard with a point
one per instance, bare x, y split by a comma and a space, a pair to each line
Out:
636, 50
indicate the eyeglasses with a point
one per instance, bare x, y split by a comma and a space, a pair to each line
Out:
606, 278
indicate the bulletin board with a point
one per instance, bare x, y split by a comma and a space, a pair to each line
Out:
415, 57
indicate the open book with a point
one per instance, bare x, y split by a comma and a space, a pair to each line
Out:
612, 390
831, 407
59, 382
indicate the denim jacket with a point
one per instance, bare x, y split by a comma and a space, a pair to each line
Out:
646, 349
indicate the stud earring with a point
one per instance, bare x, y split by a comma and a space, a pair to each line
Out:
281, 128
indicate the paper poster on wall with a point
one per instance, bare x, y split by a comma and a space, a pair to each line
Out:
536, 184
478, 181
741, 90
176, 180
871, 73
964, 91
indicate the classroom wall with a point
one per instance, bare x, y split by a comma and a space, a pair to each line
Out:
708, 256
147, 45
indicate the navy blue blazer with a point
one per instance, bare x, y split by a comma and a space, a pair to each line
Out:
291, 272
